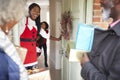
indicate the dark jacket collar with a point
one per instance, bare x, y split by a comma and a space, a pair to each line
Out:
116, 28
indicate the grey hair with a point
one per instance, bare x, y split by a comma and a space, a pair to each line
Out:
11, 10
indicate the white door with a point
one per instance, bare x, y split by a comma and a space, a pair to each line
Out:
82, 13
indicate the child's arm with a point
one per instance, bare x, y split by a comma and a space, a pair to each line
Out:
44, 34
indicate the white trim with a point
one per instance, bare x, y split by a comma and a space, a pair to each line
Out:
31, 64
89, 12
82, 14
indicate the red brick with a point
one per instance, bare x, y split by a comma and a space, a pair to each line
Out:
96, 7
97, 13
96, 19
96, 1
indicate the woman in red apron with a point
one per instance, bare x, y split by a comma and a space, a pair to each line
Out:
28, 36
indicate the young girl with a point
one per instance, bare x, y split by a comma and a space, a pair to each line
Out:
29, 34
41, 42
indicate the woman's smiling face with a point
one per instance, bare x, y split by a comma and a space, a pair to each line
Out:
34, 12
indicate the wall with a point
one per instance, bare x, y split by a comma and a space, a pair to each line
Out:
55, 46
97, 19
44, 13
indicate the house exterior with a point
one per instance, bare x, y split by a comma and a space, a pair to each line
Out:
82, 11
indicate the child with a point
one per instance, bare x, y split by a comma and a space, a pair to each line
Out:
42, 39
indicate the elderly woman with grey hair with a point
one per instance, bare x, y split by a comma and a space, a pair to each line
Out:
11, 67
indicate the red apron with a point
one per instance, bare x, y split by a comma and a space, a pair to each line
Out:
28, 40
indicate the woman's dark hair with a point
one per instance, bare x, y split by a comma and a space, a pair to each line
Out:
37, 20
46, 24
33, 5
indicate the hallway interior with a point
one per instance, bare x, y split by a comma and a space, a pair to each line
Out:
51, 72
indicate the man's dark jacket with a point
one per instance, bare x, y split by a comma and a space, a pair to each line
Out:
105, 56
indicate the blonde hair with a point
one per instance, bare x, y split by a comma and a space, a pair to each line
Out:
11, 10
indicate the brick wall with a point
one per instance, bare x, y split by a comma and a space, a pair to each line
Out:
97, 19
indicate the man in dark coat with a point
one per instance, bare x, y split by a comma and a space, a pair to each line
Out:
103, 62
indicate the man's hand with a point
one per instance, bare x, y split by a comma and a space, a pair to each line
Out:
84, 59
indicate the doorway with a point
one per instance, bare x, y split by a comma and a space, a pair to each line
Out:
51, 13
44, 16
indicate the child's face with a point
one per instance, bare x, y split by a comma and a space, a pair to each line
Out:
43, 25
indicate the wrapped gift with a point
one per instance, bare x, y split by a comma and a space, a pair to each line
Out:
22, 52
84, 38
